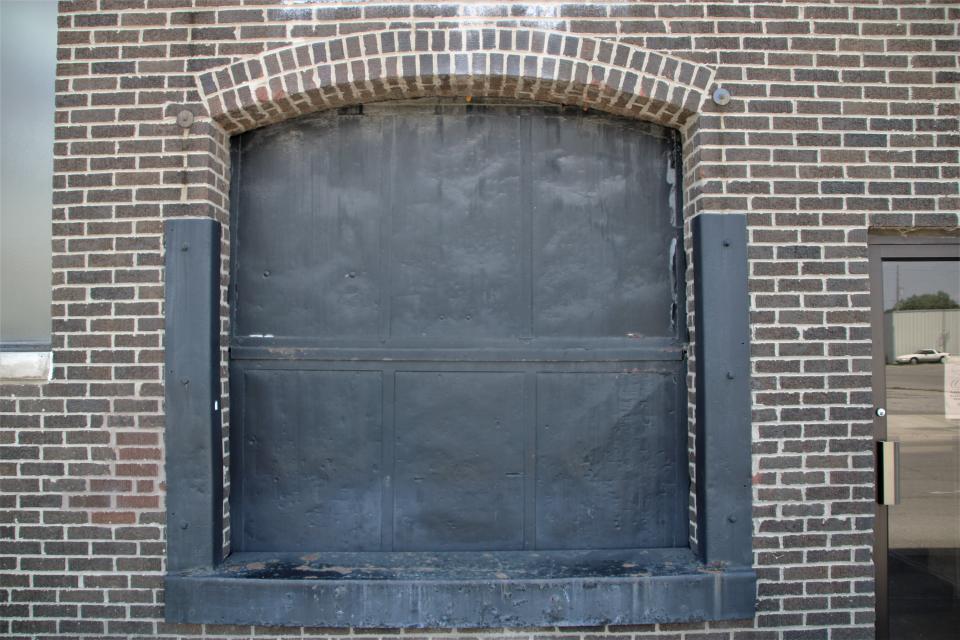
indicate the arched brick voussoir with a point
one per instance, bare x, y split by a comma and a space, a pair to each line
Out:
529, 64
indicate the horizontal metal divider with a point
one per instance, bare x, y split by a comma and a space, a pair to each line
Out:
627, 353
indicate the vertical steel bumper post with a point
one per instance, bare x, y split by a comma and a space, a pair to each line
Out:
723, 411
194, 456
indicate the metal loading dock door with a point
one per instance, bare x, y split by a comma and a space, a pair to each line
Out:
455, 328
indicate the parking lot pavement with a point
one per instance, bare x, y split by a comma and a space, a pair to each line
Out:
929, 514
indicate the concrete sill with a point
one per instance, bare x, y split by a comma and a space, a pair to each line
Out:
20, 366
461, 589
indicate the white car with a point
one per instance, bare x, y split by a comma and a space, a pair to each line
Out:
923, 355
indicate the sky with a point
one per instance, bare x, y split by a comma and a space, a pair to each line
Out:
905, 278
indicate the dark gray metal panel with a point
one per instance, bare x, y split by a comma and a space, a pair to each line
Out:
607, 461
192, 433
485, 245
309, 468
504, 222
307, 235
459, 466
489, 244
461, 590
461, 462
722, 389
602, 225
457, 250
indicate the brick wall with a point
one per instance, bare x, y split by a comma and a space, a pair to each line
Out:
844, 119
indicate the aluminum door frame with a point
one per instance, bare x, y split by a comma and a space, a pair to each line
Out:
919, 247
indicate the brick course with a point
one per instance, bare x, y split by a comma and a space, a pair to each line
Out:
844, 120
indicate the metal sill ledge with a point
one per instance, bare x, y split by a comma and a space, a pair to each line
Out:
461, 589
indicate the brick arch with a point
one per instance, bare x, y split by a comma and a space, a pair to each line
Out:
520, 63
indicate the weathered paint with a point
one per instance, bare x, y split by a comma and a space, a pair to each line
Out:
454, 222
723, 389
582, 438
192, 430
473, 338
462, 590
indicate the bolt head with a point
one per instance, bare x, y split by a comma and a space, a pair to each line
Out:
185, 118
721, 96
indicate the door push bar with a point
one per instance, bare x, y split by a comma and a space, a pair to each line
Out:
888, 476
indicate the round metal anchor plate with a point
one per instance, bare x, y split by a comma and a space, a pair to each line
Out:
185, 118
721, 96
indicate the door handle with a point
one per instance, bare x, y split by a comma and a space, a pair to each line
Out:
888, 472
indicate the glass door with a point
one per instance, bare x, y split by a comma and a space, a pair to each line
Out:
916, 322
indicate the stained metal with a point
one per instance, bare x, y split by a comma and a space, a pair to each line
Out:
440, 413
461, 590
723, 464
455, 329
192, 440
454, 222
